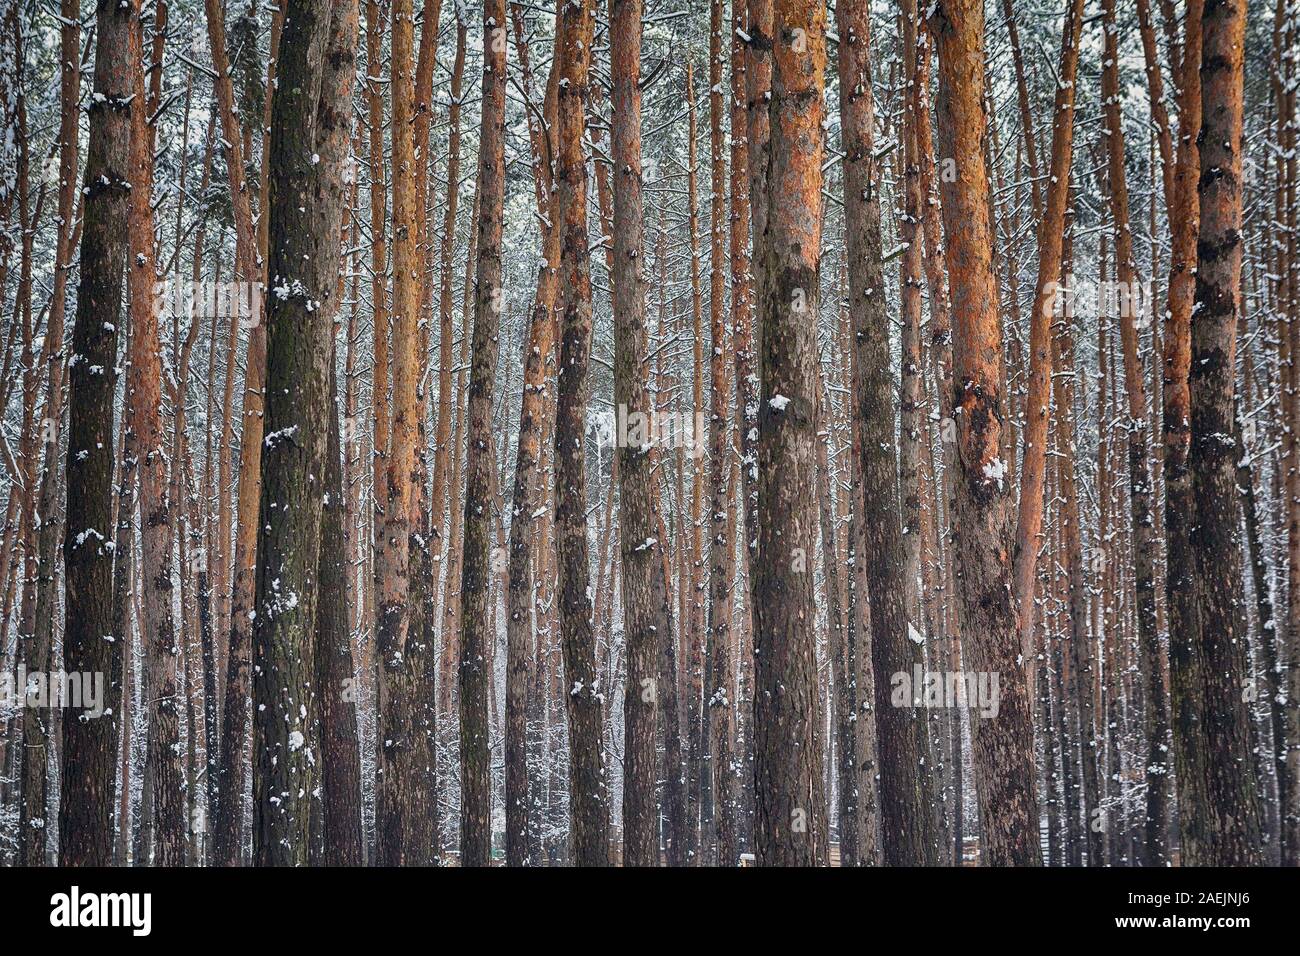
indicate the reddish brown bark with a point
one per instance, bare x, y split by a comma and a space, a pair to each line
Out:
1003, 749
1047, 302
588, 798
787, 753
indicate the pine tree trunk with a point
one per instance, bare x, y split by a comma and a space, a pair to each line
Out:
839, 650
909, 277
443, 449
697, 776
645, 598
674, 768
742, 320
1224, 828
1003, 749
720, 673
144, 417
90, 747
475, 646
1185, 664
940, 348
788, 748
1139, 467
396, 798
906, 789
337, 686
523, 571
1047, 298
309, 137
588, 799
1082, 643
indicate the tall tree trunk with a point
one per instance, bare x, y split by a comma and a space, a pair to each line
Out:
309, 139
397, 795
443, 448
475, 645
337, 687
839, 650
720, 673
906, 788
909, 278
1082, 645
522, 570
123, 587
788, 750
758, 91
1185, 663
588, 799
675, 776
644, 592
336, 676
144, 417
1003, 749
697, 775
376, 20
742, 304
90, 746
1224, 827
940, 348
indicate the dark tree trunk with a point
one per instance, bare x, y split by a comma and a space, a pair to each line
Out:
336, 678
906, 787
588, 796
308, 147
476, 635
1224, 828
523, 707
90, 746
